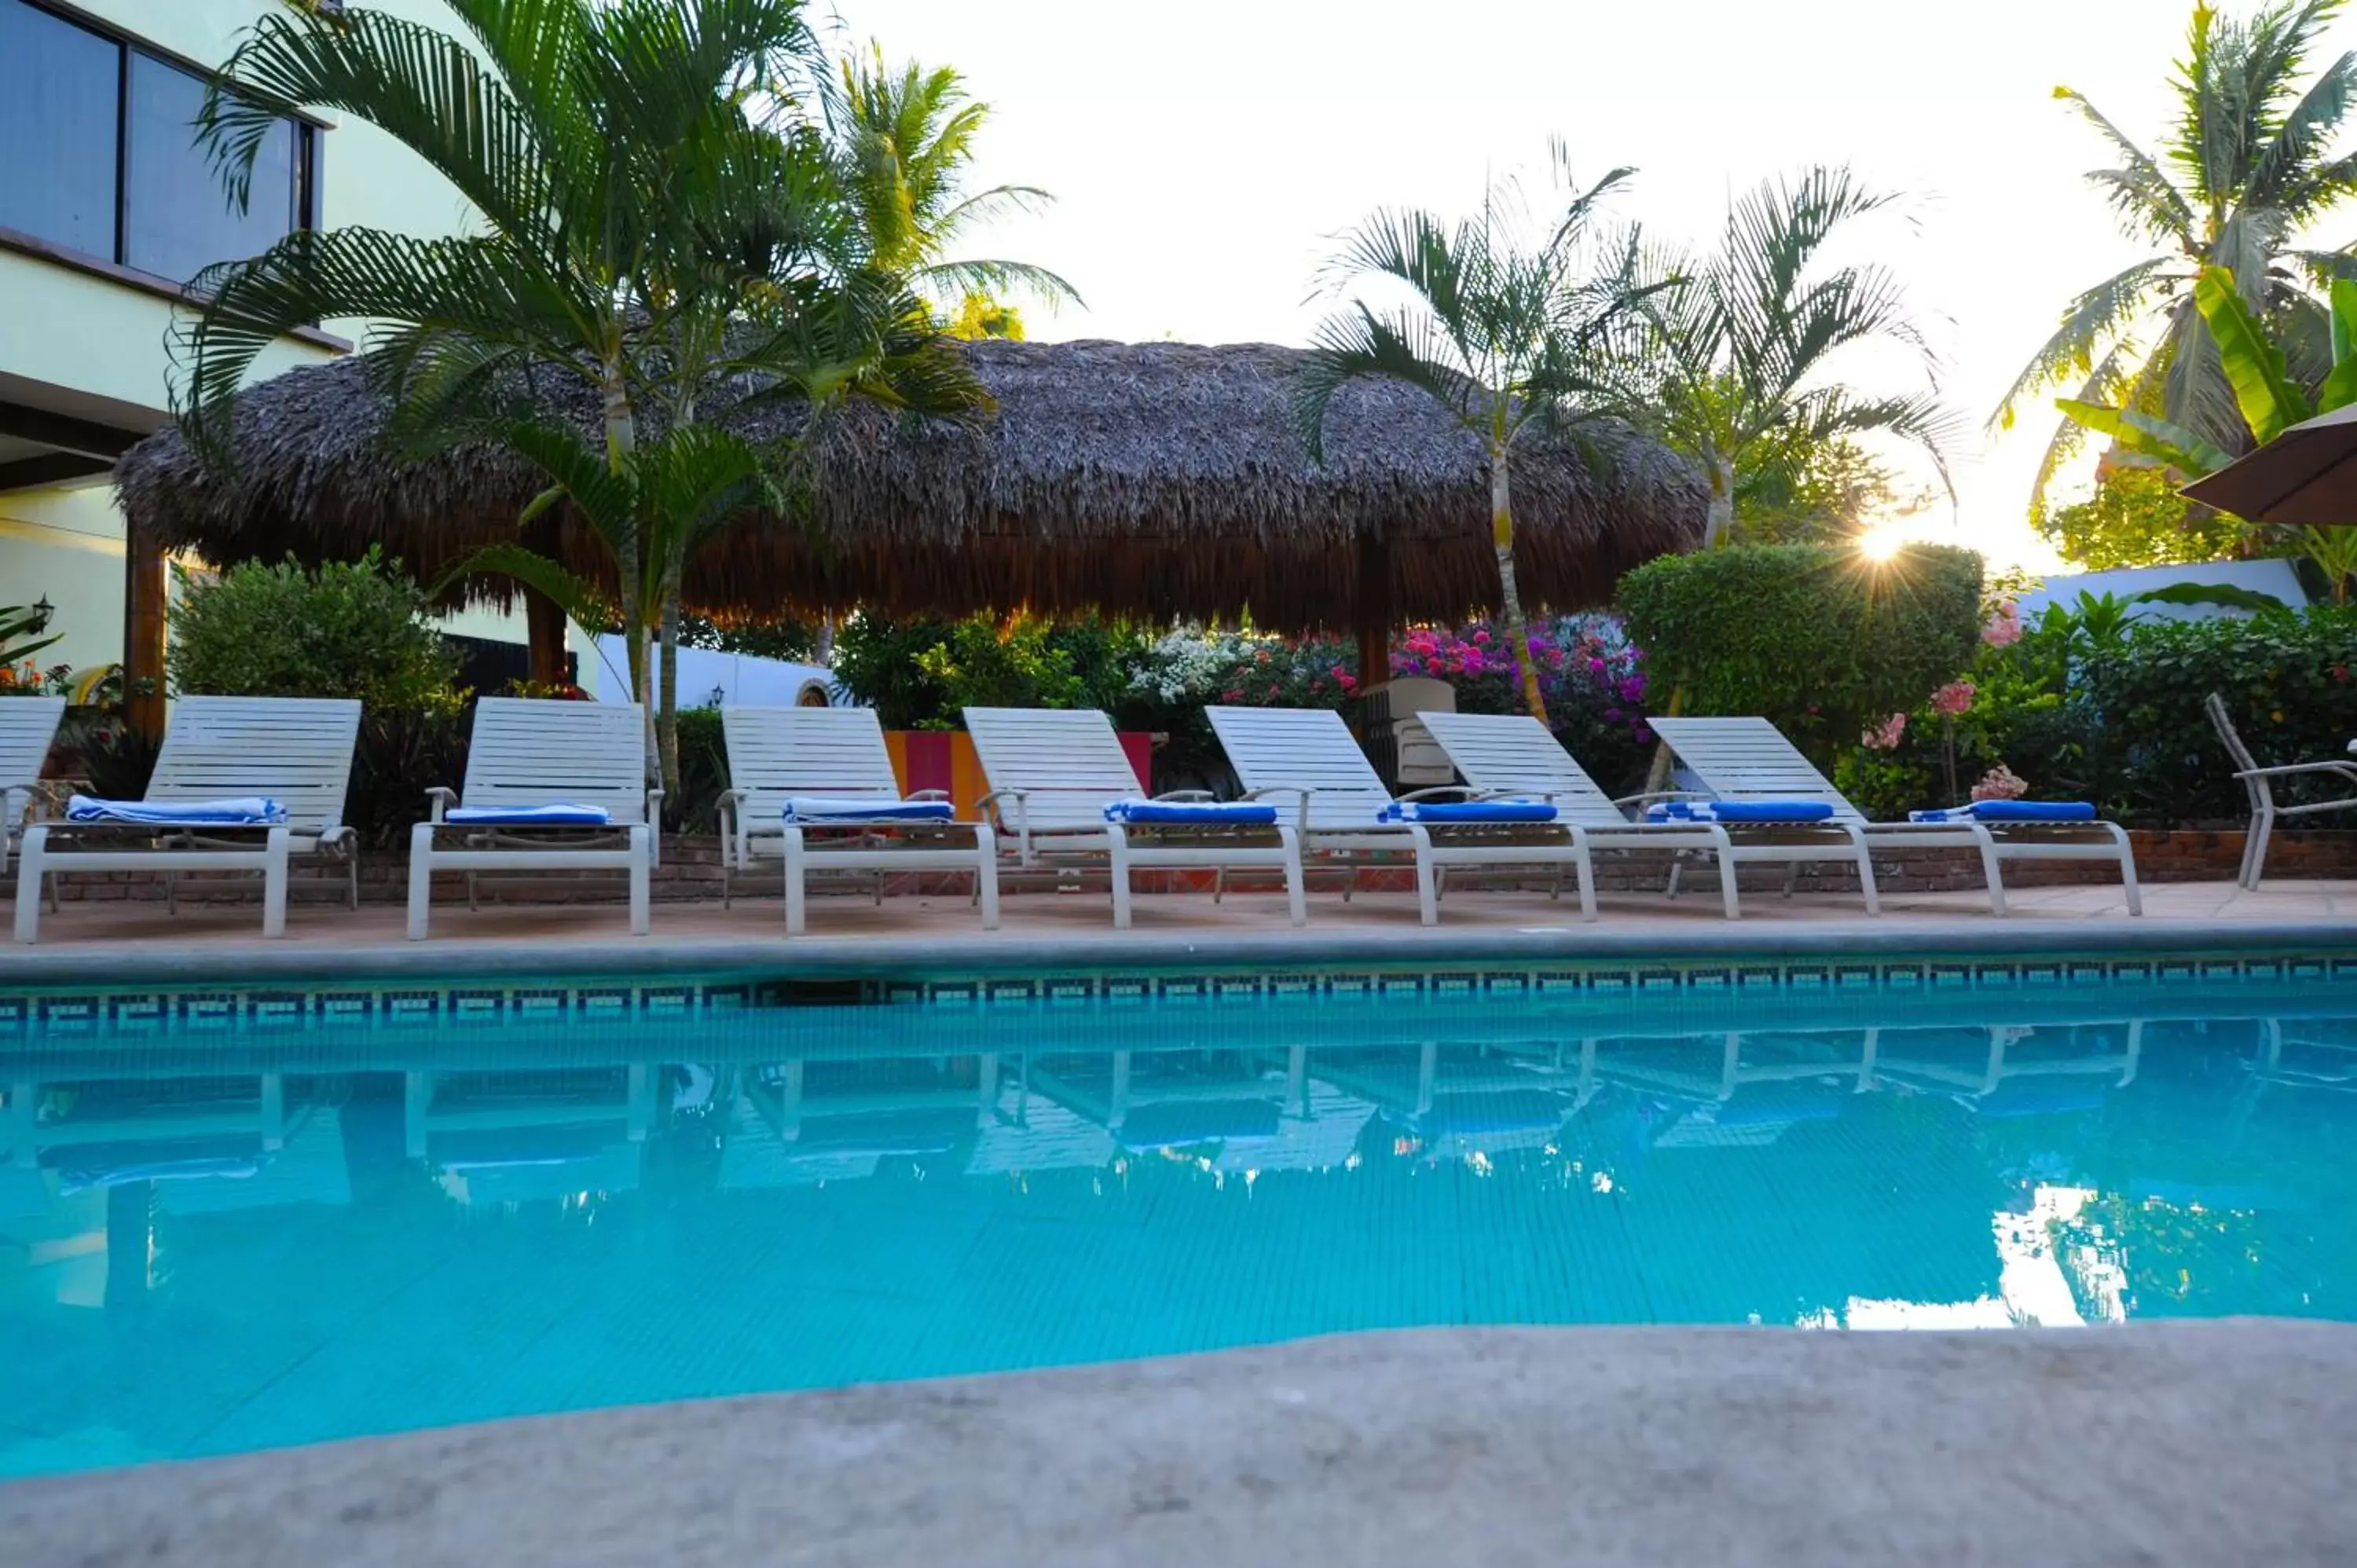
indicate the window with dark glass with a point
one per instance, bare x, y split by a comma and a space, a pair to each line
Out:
99, 157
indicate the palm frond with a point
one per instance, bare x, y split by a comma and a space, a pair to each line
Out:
1406, 346
2139, 190
2090, 323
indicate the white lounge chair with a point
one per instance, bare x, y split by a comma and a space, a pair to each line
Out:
1514, 754
1750, 759
2258, 783
781, 759
295, 751
1054, 772
28, 727
1345, 814
531, 764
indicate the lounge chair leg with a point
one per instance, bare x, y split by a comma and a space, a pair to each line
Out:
1428, 896
273, 883
797, 912
2255, 851
1992, 870
32, 870
1866, 872
470, 892
1677, 864
985, 875
2135, 894
1723, 852
1117, 841
1296, 907
1583, 867
641, 880
353, 879
1792, 877
1219, 883
421, 879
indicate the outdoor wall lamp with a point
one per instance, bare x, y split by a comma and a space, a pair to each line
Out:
42, 611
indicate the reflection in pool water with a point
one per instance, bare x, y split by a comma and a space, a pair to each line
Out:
204, 1262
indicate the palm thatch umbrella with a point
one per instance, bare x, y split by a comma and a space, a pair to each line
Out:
1158, 480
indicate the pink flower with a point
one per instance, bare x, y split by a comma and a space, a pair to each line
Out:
1350, 682
1885, 735
1952, 699
1999, 783
2004, 627
1482, 637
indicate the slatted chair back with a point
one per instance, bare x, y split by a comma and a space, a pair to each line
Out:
2260, 790
536, 752
779, 754
1304, 748
1514, 754
294, 750
1750, 759
28, 727
1067, 760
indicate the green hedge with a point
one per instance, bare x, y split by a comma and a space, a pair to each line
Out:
2289, 681
1814, 638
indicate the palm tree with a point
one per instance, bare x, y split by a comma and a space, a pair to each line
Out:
902, 142
1739, 346
1511, 336
2247, 165
656, 223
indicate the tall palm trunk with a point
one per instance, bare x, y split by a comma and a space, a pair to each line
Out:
1718, 527
1509, 594
667, 720
621, 440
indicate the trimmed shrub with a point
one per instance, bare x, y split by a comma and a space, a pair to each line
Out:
1814, 638
2289, 681
346, 629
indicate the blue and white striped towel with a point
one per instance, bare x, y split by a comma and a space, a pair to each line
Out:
1440, 814
2010, 812
241, 811
809, 810
556, 814
1739, 812
1192, 814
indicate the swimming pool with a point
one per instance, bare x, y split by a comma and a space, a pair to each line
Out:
235, 1222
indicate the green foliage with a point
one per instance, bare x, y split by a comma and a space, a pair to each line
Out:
923, 674
785, 637
20, 639
979, 316
1798, 487
2289, 680
1817, 639
350, 630
2136, 517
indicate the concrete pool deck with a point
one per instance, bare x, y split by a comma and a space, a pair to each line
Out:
111, 942
2223, 1442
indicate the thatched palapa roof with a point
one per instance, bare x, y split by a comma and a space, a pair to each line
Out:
1151, 478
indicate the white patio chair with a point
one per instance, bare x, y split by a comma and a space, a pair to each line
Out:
778, 757
2258, 783
1514, 754
1052, 772
531, 757
28, 727
1340, 804
296, 751
1750, 759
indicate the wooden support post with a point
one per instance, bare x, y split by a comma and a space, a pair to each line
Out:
546, 623
143, 633
1372, 605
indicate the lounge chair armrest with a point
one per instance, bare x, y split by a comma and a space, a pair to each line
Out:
1186, 795
1437, 791
440, 798
1267, 789
342, 838
2345, 769
729, 798
1648, 797
929, 795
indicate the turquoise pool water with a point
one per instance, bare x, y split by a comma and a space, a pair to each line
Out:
265, 1237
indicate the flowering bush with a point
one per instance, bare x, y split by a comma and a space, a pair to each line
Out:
1954, 699
1886, 736
1999, 784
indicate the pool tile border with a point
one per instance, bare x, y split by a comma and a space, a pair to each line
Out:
161, 1011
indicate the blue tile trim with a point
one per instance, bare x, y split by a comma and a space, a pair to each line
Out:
145, 1015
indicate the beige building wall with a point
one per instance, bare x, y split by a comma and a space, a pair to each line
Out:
99, 347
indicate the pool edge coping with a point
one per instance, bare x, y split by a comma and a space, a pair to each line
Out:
888, 957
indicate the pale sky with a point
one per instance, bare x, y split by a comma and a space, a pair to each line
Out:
1204, 155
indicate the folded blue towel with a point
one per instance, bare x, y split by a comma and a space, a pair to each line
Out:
1441, 813
806, 810
242, 811
2010, 812
1192, 814
556, 814
1739, 812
